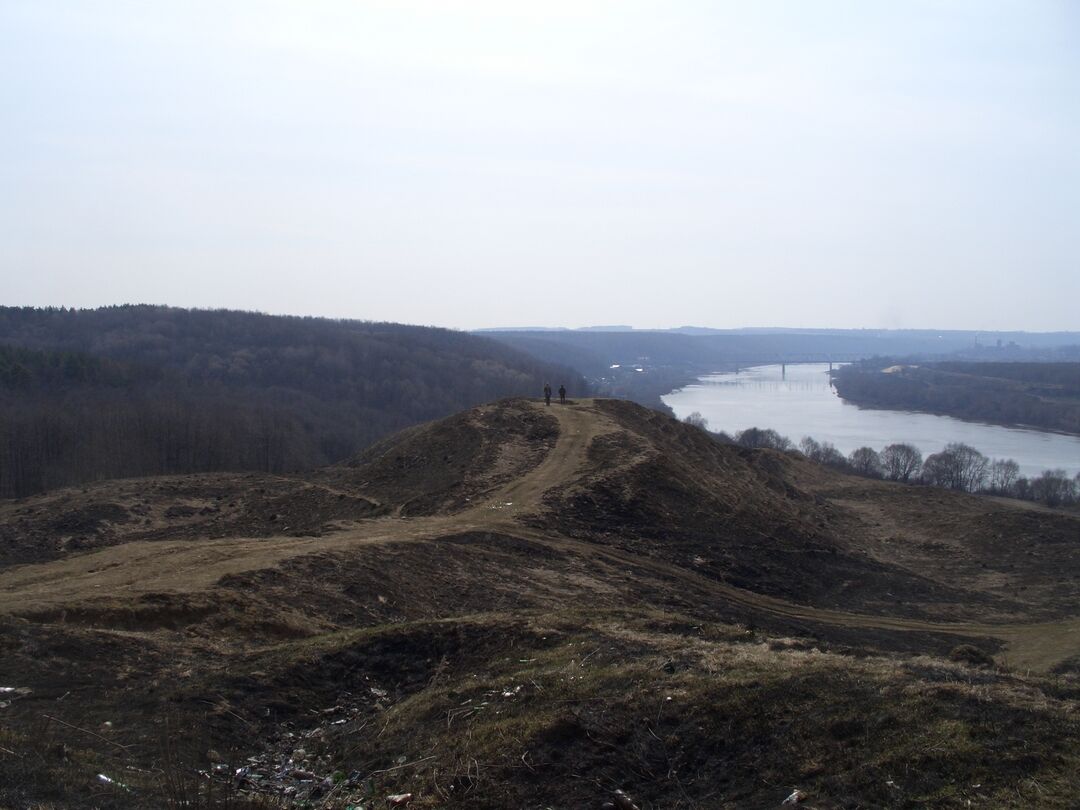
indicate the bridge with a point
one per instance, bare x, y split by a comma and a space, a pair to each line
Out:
802, 360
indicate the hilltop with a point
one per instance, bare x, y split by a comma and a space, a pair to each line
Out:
520, 606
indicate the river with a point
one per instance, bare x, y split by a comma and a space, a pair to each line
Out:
799, 401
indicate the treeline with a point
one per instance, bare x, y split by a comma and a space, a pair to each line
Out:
141, 390
1043, 395
959, 466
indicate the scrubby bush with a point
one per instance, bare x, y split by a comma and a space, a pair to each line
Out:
763, 439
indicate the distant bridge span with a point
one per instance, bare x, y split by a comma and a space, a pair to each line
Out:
802, 360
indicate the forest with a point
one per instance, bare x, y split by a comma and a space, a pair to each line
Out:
145, 390
1042, 395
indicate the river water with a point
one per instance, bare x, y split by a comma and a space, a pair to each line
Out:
800, 402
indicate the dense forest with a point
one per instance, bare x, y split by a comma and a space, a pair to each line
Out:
1044, 395
143, 390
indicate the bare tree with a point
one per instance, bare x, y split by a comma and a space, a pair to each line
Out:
697, 420
1003, 475
822, 452
759, 437
865, 461
958, 466
901, 462
1053, 487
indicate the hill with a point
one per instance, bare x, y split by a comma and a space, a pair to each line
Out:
140, 390
522, 606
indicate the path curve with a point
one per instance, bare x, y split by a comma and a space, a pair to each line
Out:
184, 566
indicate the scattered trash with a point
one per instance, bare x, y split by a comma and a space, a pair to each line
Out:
795, 798
13, 693
623, 801
292, 766
108, 781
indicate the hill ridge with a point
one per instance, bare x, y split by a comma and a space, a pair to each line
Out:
541, 580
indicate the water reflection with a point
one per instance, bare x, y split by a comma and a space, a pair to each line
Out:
799, 401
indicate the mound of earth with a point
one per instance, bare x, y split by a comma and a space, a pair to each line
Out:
439, 467
529, 606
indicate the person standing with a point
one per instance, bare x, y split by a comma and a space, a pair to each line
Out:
562, 394
547, 393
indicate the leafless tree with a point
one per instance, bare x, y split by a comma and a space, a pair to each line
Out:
1003, 475
901, 462
958, 466
697, 420
822, 452
865, 461
766, 438
1054, 488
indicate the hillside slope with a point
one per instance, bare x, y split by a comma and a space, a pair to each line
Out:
140, 390
523, 606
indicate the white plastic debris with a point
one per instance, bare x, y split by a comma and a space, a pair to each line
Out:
399, 799
110, 781
795, 798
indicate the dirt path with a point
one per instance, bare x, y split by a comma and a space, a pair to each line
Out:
579, 424
181, 566
198, 565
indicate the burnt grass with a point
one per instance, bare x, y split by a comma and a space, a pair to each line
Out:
735, 515
556, 710
436, 467
216, 505
547, 666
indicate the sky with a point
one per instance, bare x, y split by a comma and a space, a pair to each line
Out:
863, 163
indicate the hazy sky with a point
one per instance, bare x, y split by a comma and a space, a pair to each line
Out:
471, 164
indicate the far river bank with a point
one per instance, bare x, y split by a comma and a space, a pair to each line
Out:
799, 401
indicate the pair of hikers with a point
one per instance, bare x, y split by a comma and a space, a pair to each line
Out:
547, 393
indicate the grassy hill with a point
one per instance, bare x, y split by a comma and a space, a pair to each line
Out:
522, 606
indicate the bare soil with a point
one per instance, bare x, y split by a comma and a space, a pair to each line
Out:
529, 606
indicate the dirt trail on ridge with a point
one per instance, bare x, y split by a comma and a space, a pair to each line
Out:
186, 566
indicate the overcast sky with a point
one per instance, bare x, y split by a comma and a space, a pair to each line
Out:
474, 164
